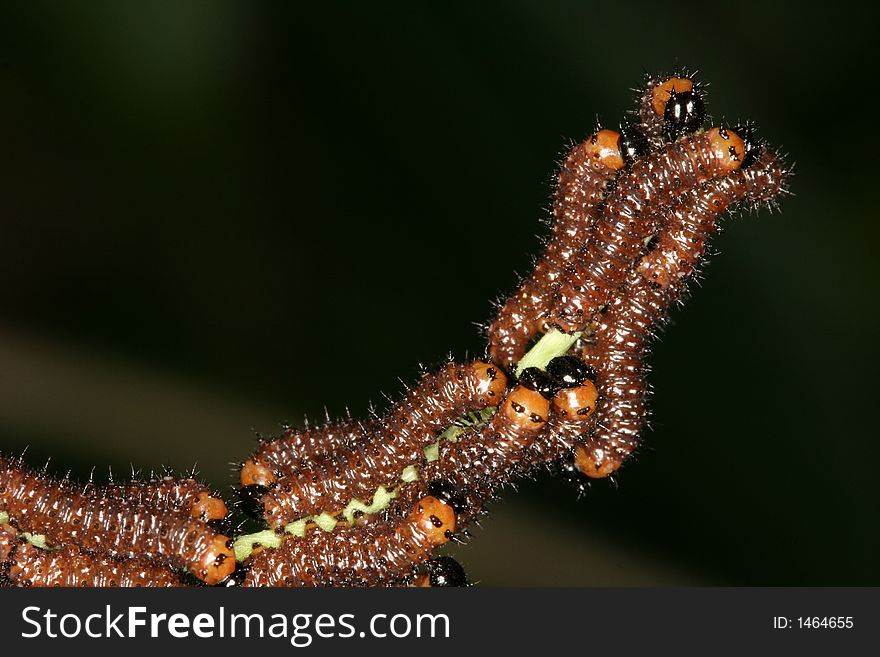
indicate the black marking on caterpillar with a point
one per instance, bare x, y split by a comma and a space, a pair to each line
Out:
561, 372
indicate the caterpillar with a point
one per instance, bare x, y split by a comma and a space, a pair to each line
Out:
169, 493
691, 220
470, 470
684, 115
98, 520
623, 334
480, 460
412, 424
375, 554
72, 567
583, 179
301, 448
630, 218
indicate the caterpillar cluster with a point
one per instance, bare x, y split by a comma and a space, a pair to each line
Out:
142, 532
353, 469
367, 503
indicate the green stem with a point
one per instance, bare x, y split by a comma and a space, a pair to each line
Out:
244, 545
552, 344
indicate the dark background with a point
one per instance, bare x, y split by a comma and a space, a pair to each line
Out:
217, 216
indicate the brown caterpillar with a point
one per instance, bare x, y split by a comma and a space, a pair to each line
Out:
70, 566
631, 216
691, 221
412, 424
168, 493
98, 520
625, 330
376, 554
483, 459
583, 178
297, 449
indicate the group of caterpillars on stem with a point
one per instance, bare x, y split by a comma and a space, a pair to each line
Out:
367, 503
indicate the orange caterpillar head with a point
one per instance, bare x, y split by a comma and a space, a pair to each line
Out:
491, 382
217, 562
207, 507
728, 148
254, 474
595, 464
525, 409
603, 147
435, 519
577, 404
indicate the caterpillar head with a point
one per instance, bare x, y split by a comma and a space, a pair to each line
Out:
435, 518
491, 382
683, 114
603, 147
633, 144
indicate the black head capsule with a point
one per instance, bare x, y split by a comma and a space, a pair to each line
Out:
566, 470
539, 381
250, 500
684, 114
753, 144
569, 371
221, 526
446, 572
445, 492
633, 144
238, 576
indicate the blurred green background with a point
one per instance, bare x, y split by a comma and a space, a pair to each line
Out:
217, 216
